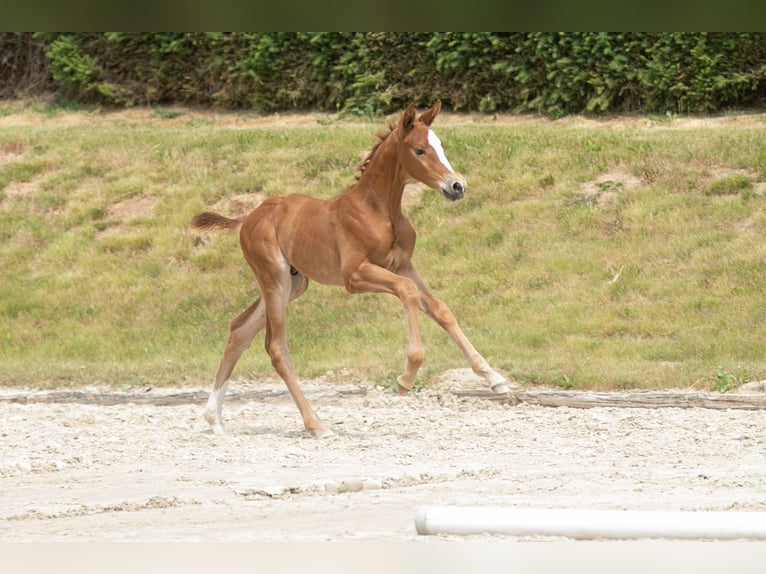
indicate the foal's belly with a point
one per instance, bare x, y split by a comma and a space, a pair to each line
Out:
308, 242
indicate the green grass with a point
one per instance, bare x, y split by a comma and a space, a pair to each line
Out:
652, 282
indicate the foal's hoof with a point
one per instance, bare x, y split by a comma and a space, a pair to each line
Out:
402, 391
216, 425
500, 385
501, 389
320, 432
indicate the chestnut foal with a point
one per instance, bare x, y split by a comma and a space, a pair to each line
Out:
358, 240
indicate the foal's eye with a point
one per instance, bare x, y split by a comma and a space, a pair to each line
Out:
420, 151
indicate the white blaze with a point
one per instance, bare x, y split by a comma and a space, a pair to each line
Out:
436, 143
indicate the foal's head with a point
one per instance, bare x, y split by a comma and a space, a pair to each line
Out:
422, 156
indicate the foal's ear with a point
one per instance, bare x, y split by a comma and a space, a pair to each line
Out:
428, 116
408, 118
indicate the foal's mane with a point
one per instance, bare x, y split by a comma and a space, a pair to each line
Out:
381, 138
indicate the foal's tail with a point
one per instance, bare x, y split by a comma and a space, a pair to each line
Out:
208, 221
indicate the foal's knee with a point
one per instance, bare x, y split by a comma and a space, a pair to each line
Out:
410, 295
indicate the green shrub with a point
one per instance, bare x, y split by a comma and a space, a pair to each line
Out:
370, 73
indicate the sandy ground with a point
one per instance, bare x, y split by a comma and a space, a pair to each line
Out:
71, 471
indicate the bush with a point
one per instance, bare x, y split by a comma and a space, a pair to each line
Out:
23, 65
368, 73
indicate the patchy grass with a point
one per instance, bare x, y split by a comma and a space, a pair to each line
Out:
612, 254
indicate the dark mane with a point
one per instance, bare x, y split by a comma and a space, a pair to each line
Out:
381, 138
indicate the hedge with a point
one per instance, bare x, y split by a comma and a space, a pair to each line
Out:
554, 73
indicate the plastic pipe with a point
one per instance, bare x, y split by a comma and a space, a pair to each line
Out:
588, 524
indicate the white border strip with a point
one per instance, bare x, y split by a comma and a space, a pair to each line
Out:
591, 524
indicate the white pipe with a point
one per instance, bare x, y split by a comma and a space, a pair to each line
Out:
588, 524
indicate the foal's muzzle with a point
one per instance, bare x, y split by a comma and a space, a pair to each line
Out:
453, 188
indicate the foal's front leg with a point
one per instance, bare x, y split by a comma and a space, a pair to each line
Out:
441, 313
370, 278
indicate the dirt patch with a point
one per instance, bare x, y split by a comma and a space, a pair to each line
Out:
607, 186
11, 152
20, 189
132, 208
238, 205
152, 471
125, 211
413, 194
657, 122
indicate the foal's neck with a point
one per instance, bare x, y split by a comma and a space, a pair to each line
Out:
383, 179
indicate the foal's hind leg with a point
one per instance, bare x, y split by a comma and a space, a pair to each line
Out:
242, 331
274, 289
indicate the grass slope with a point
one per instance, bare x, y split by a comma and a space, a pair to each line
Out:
624, 253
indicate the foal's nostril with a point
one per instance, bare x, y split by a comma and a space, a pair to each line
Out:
453, 189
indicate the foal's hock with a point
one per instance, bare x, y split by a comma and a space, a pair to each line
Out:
359, 240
